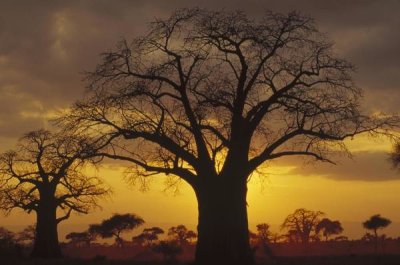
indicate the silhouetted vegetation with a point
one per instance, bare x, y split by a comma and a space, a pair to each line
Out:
80, 238
209, 97
375, 223
116, 225
44, 174
181, 234
148, 236
301, 225
169, 249
329, 228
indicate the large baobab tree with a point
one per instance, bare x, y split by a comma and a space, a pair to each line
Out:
44, 174
208, 97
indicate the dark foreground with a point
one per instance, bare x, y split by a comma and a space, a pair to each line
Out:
320, 260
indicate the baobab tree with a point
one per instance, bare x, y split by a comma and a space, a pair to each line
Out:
329, 228
208, 97
375, 223
302, 223
44, 175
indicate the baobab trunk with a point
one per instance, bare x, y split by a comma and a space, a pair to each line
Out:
46, 243
223, 236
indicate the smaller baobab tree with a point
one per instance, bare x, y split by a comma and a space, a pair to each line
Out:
45, 175
375, 223
148, 236
302, 223
329, 228
181, 234
116, 225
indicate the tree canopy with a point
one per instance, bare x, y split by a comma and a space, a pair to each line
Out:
116, 225
44, 162
329, 228
302, 223
208, 97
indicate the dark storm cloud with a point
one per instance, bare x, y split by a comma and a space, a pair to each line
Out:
46, 45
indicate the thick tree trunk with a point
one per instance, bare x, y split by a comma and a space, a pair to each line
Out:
223, 236
46, 241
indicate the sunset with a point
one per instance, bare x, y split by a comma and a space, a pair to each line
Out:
228, 116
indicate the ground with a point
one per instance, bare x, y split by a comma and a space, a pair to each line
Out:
320, 260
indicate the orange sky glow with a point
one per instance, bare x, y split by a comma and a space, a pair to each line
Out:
40, 74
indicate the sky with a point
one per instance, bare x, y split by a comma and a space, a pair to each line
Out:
46, 46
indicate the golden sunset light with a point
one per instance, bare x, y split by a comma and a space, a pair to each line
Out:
200, 132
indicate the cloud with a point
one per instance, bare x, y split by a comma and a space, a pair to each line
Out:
46, 45
364, 166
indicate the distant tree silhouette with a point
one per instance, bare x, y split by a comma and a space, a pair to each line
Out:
375, 223
148, 236
263, 232
169, 249
181, 234
116, 225
44, 174
208, 97
81, 238
27, 235
302, 223
264, 236
7, 238
329, 228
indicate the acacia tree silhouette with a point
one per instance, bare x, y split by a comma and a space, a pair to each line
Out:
181, 234
44, 174
375, 223
78, 238
148, 236
208, 97
329, 228
116, 225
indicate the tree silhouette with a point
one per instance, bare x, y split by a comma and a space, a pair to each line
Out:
27, 235
329, 228
81, 238
375, 223
264, 236
7, 238
148, 236
116, 225
302, 223
263, 232
208, 97
44, 174
181, 234
169, 250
